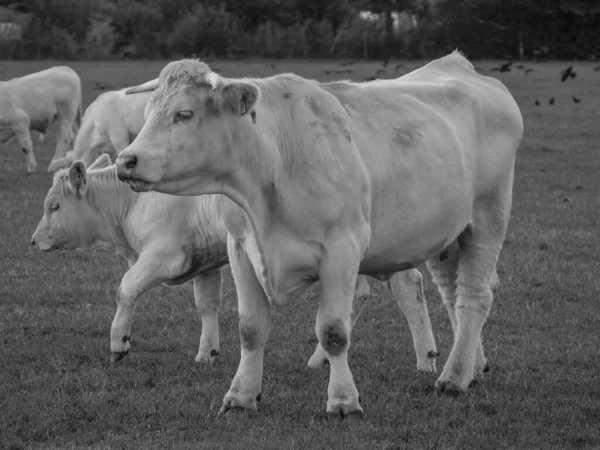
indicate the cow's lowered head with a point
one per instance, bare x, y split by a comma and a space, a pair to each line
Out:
69, 221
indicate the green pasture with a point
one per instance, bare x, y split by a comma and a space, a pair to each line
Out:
58, 389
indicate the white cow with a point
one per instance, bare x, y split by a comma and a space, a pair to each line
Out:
110, 123
34, 102
335, 179
170, 240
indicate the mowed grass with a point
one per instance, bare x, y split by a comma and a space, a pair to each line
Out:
58, 389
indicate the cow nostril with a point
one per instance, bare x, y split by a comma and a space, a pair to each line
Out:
131, 162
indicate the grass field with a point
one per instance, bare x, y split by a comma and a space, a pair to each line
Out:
58, 390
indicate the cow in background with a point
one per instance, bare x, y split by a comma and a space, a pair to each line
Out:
34, 102
110, 123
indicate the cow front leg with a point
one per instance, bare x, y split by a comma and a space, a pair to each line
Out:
141, 277
333, 326
361, 296
207, 295
407, 289
254, 312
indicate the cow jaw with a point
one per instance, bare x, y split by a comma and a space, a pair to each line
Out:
138, 185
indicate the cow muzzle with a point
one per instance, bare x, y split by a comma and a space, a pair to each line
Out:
126, 164
42, 245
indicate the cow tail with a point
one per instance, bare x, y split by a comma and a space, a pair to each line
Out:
77, 122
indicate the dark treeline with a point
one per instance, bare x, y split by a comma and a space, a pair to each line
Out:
92, 29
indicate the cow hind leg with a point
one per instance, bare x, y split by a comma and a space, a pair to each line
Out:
65, 137
478, 249
207, 294
444, 269
407, 289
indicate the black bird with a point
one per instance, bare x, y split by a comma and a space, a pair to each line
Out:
369, 78
537, 102
566, 73
380, 72
597, 69
398, 66
529, 70
503, 68
520, 66
576, 99
347, 63
339, 71
386, 61
551, 100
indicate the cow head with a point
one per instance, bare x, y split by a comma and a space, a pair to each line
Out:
195, 123
69, 221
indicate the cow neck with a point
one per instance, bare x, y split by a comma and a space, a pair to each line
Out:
207, 222
252, 185
113, 200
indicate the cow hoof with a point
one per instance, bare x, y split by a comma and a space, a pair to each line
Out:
210, 358
345, 411
428, 364
202, 359
118, 356
231, 402
482, 368
318, 362
449, 387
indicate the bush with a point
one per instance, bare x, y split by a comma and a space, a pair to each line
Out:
100, 37
205, 30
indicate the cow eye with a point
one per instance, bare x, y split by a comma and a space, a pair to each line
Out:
183, 116
54, 207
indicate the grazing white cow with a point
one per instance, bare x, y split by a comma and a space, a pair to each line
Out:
336, 179
110, 123
168, 239
34, 102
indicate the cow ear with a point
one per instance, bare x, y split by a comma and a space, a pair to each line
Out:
240, 97
77, 176
101, 162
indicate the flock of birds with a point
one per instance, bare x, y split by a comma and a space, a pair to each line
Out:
565, 74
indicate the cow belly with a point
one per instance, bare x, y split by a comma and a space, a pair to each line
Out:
400, 243
41, 125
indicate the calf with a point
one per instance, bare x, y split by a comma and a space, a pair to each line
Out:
171, 240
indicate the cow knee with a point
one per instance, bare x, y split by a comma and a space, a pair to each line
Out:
334, 337
479, 298
249, 334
